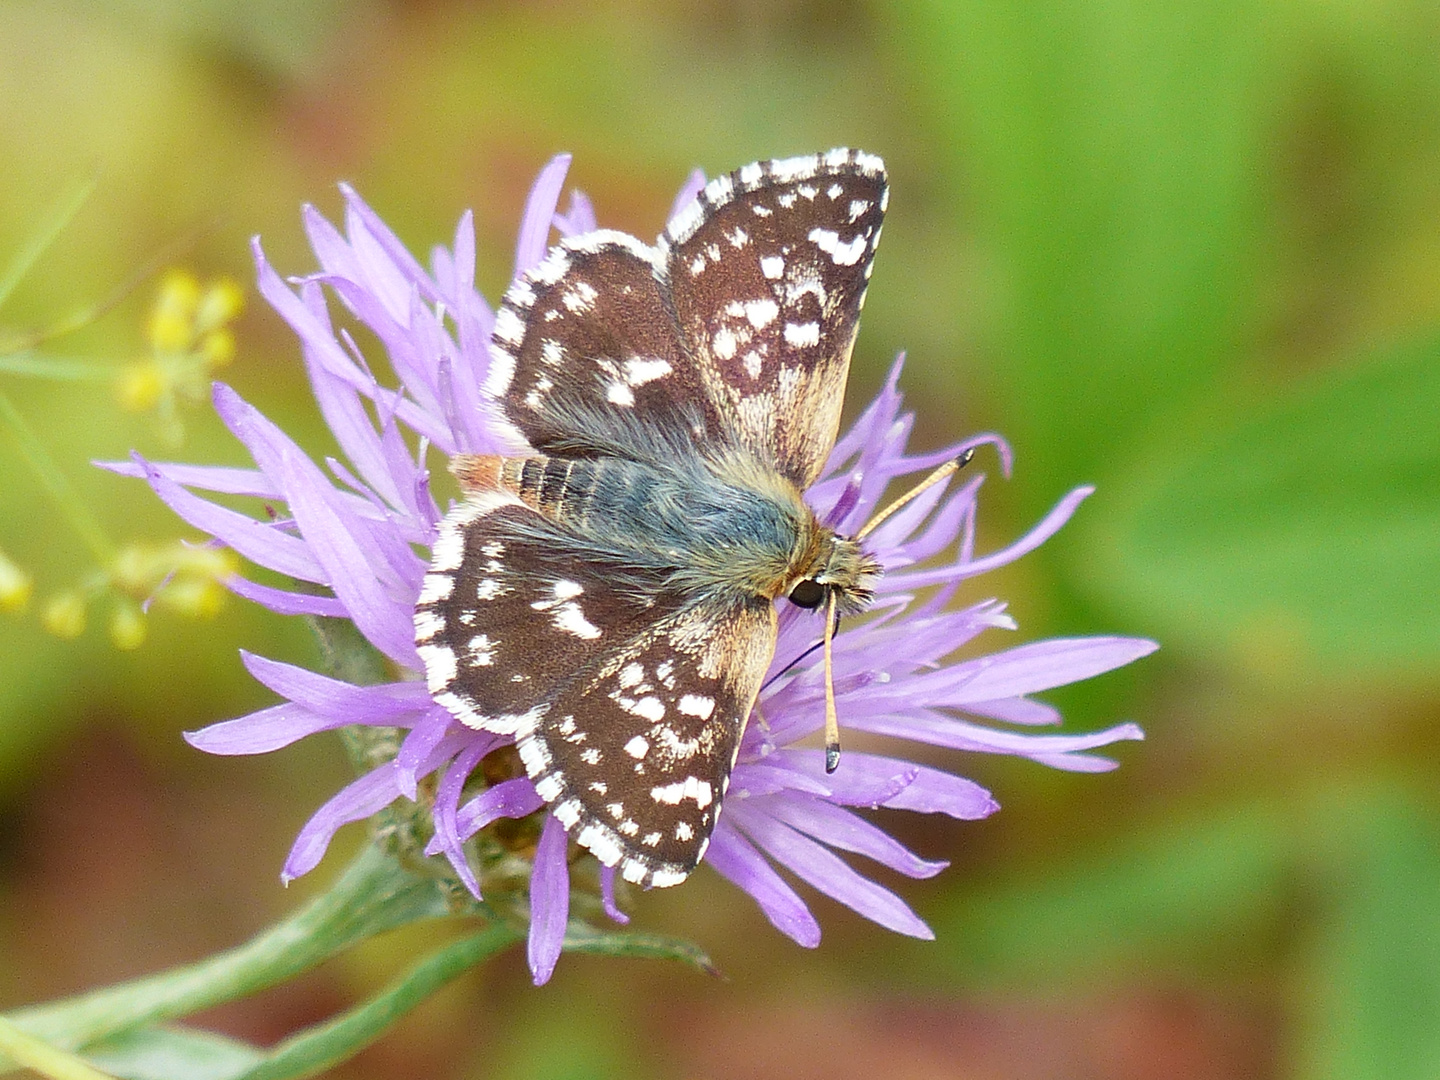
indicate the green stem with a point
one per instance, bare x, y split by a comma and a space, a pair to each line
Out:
373, 895
60, 368
31, 1053
319, 1047
56, 485
51, 225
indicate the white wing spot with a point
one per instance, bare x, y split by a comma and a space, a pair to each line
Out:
723, 343
841, 253
802, 334
482, 650
761, 211
630, 675
692, 787
697, 705
590, 756
773, 267
579, 298
858, 208
761, 313
639, 371
571, 619
637, 747
617, 393
683, 831
834, 191
752, 364
738, 238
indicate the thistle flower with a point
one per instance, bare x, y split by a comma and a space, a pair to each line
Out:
356, 530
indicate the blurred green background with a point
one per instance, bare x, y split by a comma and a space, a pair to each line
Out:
1188, 252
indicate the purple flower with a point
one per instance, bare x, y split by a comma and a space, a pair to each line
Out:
355, 529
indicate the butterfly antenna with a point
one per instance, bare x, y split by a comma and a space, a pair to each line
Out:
832, 721
950, 467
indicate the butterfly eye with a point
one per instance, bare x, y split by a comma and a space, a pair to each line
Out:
807, 594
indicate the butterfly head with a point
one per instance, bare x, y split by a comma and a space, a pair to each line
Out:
839, 566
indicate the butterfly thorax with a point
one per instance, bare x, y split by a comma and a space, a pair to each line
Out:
714, 527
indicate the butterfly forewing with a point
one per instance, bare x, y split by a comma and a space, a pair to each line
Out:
635, 755
586, 356
767, 273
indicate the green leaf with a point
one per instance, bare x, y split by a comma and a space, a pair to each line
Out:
584, 938
1371, 992
173, 1052
1302, 543
1173, 891
1107, 155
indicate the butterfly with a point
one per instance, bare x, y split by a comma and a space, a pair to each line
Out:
605, 593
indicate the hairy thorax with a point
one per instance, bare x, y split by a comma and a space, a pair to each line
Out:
730, 527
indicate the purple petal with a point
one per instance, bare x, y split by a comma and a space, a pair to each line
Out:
215, 478
549, 901
828, 873
508, 799
839, 828
921, 725
688, 193
607, 896
875, 781
286, 603
380, 704
335, 360
1016, 710
732, 857
359, 210
1025, 669
447, 798
579, 219
260, 542
379, 613
1048, 527
424, 736
540, 207
262, 731
753, 779
356, 801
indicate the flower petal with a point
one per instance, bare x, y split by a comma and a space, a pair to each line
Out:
283, 602
732, 857
839, 828
540, 207
381, 704
607, 896
262, 731
549, 901
828, 873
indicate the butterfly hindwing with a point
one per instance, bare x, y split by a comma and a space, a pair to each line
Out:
512, 609
634, 756
767, 272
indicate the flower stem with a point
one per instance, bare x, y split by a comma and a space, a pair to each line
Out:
374, 894
55, 484
318, 1048
31, 1053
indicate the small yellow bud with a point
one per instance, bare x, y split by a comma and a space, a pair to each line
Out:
172, 320
218, 348
139, 386
200, 598
223, 301
127, 626
64, 615
15, 586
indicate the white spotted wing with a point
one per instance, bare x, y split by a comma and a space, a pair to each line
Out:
626, 689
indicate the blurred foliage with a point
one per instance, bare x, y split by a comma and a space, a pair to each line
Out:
1188, 252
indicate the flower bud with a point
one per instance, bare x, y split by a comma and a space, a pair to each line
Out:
15, 585
64, 615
